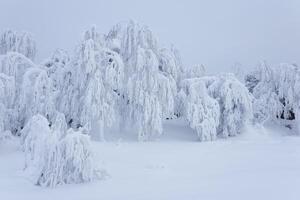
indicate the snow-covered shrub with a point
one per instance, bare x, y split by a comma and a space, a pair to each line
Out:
276, 93
54, 158
13, 67
234, 101
200, 110
78, 160
34, 136
235, 104
21, 42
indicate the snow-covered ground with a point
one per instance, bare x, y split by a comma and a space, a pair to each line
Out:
260, 164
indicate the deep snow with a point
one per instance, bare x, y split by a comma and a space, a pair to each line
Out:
263, 163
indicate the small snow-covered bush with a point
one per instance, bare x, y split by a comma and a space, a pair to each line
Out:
220, 104
34, 136
78, 160
54, 158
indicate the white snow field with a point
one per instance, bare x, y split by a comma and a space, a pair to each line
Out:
262, 163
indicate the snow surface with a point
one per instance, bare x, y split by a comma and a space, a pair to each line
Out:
261, 163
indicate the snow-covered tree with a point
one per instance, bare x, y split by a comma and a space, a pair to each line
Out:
21, 42
143, 88
200, 110
94, 80
150, 75
235, 104
275, 91
54, 158
233, 99
126, 39
15, 65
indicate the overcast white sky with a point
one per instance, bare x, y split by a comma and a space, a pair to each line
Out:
214, 33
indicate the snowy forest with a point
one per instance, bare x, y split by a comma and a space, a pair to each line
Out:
126, 81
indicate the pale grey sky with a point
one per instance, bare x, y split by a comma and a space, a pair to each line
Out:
210, 32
